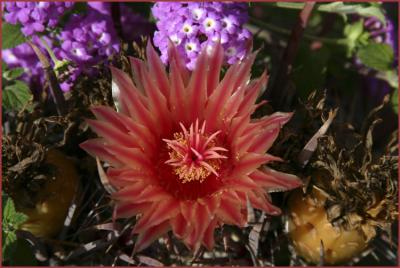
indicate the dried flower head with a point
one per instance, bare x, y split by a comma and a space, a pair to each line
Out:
183, 150
360, 185
350, 197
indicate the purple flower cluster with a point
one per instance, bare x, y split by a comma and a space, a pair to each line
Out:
35, 17
88, 39
23, 56
380, 32
85, 40
193, 25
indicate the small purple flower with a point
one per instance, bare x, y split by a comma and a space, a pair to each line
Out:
35, 16
101, 7
189, 28
211, 23
194, 25
198, 13
73, 74
379, 32
244, 34
176, 39
192, 47
89, 39
235, 52
230, 23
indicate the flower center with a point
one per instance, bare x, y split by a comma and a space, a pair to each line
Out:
209, 23
189, 47
187, 28
193, 154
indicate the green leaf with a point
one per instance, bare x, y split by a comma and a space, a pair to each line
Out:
3, 66
353, 32
289, 5
12, 35
61, 67
377, 56
13, 73
16, 95
391, 77
373, 11
341, 8
393, 80
9, 238
19, 218
11, 216
8, 210
360, 9
11, 221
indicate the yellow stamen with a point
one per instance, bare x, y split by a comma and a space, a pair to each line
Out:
193, 154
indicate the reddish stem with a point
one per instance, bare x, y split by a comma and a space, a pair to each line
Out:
279, 91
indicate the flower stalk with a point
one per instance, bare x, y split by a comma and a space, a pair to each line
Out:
55, 89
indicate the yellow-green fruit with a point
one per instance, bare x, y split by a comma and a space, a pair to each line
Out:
47, 217
309, 225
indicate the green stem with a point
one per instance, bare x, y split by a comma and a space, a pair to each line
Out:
55, 90
283, 31
50, 51
270, 27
